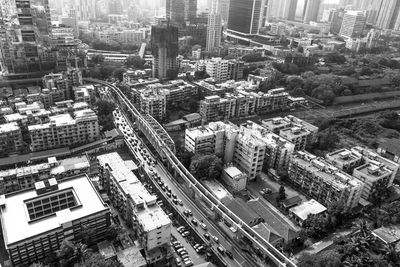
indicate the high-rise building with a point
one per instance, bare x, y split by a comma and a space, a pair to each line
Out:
388, 14
86, 9
115, 7
165, 49
214, 28
224, 8
336, 20
311, 8
353, 24
285, 9
244, 16
179, 11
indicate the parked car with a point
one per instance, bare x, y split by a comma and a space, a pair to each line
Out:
185, 234
221, 250
229, 254
206, 236
216, 240
204, 226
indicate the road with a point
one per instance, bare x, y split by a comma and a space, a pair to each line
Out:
187, 203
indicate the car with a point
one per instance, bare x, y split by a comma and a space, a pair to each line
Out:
175, 243
180, 250
188, 263
194, 221
199, 249
160, 183
168, 189
203, 226
184, 253
174, 200
185, 234
216, 240
180, 229
178, 261
186, 212
186, 258
206, 236
229, 254
180, 202
221, 250
168, 194
178, 246
196, 246
174, 196
163, 188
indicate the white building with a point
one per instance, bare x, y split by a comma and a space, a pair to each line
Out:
234, 178
302, 211
84, 93
10, 139
137, 205
37, 221
353, 24
63, 130
214, 26
217, 68
154, 103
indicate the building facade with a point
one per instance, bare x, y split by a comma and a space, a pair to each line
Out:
353, 24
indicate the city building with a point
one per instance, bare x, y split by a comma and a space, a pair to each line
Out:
388, 15
353, 24
311, 8
217, 68
63, 130
10, 139
245, 16
136, 204
180, 11
323, 181
390, 149
153, 103
297, 135
165, 49
336, 20
214, 28
36, 221
85, 93
344, 159
214, 108
234, 178
21, 178
218, 190
301, 212
217, 138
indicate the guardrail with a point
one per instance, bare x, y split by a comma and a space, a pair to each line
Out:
271, 252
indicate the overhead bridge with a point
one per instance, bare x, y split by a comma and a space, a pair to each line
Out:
195, 189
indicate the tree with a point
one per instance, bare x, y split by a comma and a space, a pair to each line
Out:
97, 59
328, 258
119, 73
327, 140
396, 80
112, 232
186, 158
282, 194
136, 62
323, 92
97, 260
104, 107
206, 166
66, 254
254, 57
316, 226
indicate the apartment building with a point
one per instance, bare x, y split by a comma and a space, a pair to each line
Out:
84, 93
278, 150
215, 138
344, 159
152, 102
217, 68
367, 166
323, 181
298, 136
10, 139
376, 171
214, 108
36, 221
136, 204
63, 130
21, 178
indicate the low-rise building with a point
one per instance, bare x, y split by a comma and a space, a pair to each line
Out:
10, 139
298, 136
85, 93
136, 204
153, 103
234, 178
63, 130
36, 221
214, 108
25, 177
218, 191
301, 212
323, 181
344, 159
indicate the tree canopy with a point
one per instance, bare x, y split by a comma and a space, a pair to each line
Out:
206, 166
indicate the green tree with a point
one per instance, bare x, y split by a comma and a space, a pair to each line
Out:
119, 73
186, 158
66, 254
97, 59
327, 140
282, 193
328, 258
206, 166
112, 232
97, 260
104, 107
136, 62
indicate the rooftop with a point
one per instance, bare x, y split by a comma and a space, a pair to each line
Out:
389, 234
241, 209
293, 132
69, 164
232, 171
9, 127
219, 191
310, 207
15, 219
343, 156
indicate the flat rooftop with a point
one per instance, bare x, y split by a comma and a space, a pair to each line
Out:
69, 164
232, 171
343, 156
373, 171
307, 208
293, 132
15, 218
9, 127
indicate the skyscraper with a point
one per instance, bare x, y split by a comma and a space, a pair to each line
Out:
214, 26
86, 9
311, 8
25, 41
179, 11
165, 49
353, 24
225, 10
285, 9
244, 16
336, 20
388, 13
